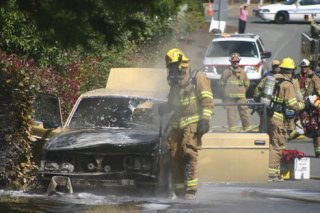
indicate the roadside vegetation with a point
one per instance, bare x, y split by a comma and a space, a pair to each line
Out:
68, 47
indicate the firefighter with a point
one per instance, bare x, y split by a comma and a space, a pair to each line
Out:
274, 68
191, 101
296, 129
258, 90
259, 93
309, 85
309, 82
282, 110
235, 84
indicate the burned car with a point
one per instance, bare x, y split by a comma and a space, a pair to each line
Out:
112, 137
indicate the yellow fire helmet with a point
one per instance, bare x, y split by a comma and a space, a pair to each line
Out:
288, 63
176, 55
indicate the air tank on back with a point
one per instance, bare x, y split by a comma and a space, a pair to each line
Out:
268, 90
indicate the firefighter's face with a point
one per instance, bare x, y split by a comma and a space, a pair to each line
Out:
176, 75
235, 64
304, 70
275, 68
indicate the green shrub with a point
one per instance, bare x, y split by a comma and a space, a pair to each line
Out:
17, 94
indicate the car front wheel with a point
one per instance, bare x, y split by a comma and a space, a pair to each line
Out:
281, 18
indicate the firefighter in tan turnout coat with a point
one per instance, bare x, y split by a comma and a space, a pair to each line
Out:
309, 85
191, 101
235, 83
282, 111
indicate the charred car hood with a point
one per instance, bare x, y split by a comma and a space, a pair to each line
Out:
104, 137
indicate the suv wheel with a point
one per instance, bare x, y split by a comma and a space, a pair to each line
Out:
281, 18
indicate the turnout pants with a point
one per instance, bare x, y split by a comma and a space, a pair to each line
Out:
278, 140
232, 113
316, 145
184, 154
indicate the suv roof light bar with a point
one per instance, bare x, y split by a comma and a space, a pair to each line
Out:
247, 35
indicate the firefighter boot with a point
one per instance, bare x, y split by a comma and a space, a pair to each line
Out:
178, 193
275, 175
247, 128
293, 135
172, 196
233, 129
190, 195
276, 178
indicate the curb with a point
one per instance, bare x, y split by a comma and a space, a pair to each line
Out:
253, 193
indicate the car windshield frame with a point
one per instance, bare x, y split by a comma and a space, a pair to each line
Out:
224, 48
115, 112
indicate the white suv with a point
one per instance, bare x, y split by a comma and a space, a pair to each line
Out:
252, 52
290, 10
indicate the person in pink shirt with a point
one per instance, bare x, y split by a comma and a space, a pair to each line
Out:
243, 18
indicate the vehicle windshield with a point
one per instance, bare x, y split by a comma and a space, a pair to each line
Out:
289, 2
225, 48
122, 112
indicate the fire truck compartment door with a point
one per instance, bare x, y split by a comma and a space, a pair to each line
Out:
234, 157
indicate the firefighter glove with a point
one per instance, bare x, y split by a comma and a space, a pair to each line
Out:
307, 104
312, 101
203, 127
256, 99
164, 108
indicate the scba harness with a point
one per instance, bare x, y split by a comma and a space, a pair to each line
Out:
278, 107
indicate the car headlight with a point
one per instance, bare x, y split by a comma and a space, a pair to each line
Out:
264, 10
55, 167
51, 166
209, 68
66, 167
251, 69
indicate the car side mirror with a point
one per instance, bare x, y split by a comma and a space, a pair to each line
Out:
50, 125
266, 54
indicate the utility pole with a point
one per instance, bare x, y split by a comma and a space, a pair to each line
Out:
219, 9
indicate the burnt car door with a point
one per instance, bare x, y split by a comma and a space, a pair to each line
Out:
46, 121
